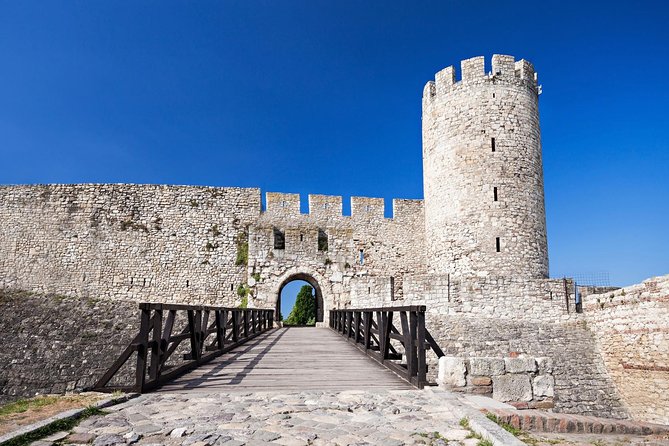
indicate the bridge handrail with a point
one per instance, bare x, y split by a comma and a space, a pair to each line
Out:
372, 329
231, 327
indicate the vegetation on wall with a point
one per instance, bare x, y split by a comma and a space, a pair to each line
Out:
242, 249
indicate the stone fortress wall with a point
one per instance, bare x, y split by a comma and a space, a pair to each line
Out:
189, 244
182, 244
631, 326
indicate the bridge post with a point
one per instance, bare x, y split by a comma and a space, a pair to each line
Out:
156, 345
193, 329
420, 341
142, 348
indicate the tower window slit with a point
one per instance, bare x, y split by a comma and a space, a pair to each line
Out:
494, 193
497, 244
492, 143
362, 257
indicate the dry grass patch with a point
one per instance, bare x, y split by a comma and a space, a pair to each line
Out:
27, 411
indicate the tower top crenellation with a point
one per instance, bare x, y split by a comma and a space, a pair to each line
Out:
504, 69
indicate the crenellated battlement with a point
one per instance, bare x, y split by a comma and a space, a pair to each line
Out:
331, 206
504, 68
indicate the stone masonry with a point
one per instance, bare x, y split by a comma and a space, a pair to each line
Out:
474, 251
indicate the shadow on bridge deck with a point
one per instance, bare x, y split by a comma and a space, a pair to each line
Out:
290, 359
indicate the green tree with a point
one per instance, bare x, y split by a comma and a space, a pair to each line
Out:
304, 311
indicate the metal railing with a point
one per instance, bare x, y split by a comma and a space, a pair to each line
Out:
373, 329
231, 327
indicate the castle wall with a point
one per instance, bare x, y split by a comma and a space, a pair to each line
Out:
182, 243
140, 243
391, 247
483, 175
53, 344
631, 326
496, 316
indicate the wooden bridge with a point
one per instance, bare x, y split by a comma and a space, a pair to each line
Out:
235, 349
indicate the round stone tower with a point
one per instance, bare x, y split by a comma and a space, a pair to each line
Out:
482, 170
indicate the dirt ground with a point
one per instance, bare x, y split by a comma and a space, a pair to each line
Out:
61, 403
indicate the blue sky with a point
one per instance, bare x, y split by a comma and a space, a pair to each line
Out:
289, 295
325, 97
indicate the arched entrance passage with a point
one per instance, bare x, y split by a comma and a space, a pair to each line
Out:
317, 291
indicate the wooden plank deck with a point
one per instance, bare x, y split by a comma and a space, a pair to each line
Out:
290, 359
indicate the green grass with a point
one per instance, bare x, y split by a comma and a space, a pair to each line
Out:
52, 428
21, 406
520, 434
484, 443
464, 422
507, 427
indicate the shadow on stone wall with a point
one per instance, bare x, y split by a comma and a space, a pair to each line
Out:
54, 344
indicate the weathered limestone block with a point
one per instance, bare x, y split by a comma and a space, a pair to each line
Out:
512, 388
486, 366
545, 365
521, 364
544, 385
452, 371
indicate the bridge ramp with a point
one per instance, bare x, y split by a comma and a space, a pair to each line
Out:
290, 359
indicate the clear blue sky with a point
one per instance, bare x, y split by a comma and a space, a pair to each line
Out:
325, 97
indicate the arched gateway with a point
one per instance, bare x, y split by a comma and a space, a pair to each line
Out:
317, 291
270, 291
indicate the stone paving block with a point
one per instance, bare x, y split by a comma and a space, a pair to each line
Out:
80, 438
108, 440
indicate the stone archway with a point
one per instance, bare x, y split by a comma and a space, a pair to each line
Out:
320, 311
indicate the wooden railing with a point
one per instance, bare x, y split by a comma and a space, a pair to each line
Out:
231, 327
373, 329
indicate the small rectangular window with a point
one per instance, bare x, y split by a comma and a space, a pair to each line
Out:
494, 193
497, 244
492, 143
279, 239
362, 257
322, 240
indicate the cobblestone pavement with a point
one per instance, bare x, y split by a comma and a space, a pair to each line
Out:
379, 417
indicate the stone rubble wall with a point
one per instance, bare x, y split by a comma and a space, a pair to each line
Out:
392, 247
522, 381
181, 243
499, 316
129, 242
631, 326
53, 343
